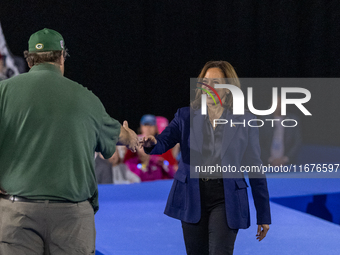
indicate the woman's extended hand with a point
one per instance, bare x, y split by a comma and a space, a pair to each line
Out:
149, 141
262, 231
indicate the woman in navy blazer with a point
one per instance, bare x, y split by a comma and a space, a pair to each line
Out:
213, 209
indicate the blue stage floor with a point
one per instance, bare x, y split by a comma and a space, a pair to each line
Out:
131, 221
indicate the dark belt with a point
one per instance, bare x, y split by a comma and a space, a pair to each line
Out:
211, 179
23, 199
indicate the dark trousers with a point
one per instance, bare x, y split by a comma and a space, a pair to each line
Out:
211, 235
46, 228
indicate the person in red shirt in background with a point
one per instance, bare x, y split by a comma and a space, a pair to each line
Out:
152, 125
162, 123
150, 167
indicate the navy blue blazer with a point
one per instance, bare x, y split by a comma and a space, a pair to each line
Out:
240, 147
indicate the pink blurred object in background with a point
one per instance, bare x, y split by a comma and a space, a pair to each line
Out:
162, 123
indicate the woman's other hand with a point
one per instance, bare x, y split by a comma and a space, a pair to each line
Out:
149, 141
262, 231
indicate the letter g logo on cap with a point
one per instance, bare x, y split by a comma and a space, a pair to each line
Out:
39, 46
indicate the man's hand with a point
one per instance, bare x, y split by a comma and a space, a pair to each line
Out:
262, 231
149, 141
3, 191
128, 137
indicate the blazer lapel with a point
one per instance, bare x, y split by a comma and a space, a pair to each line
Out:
230, 131
196, 130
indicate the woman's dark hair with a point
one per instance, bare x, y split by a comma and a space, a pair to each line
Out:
231, 78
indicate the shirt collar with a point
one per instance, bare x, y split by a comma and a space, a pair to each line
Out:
45, 67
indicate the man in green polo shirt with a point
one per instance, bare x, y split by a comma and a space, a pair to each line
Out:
50, 128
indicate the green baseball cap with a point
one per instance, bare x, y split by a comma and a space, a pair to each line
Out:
46, 40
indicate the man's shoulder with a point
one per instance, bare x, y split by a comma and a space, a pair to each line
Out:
14, 79
79, 88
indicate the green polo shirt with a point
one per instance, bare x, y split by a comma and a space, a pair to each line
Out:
50, 128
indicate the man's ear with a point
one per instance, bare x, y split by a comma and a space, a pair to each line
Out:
28, 64
61, 59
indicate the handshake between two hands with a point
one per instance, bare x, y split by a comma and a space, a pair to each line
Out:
129, 138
